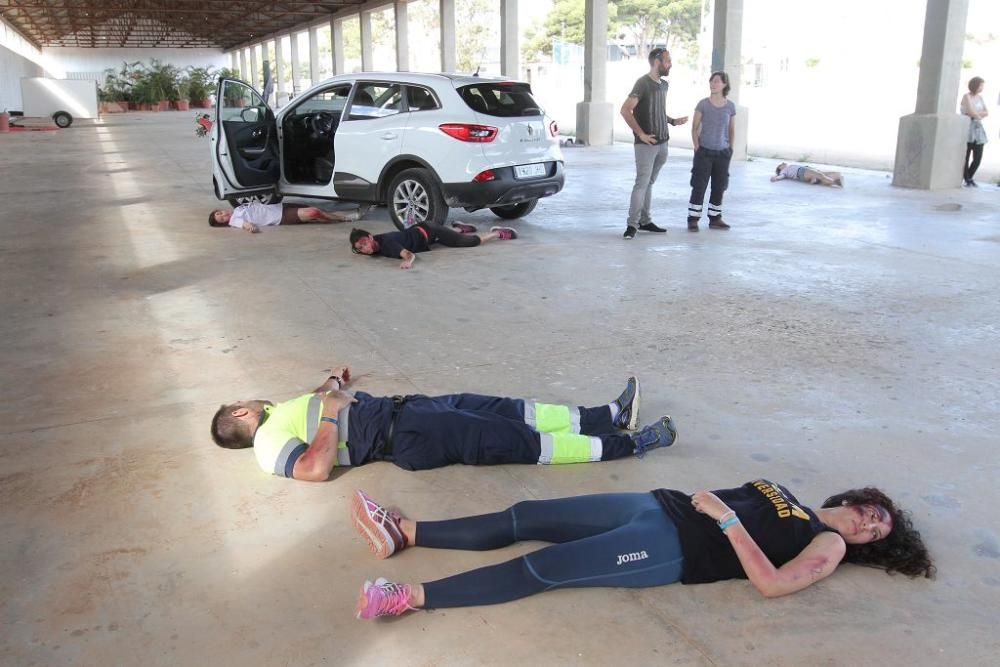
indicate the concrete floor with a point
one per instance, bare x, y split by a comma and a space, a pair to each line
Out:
831, 339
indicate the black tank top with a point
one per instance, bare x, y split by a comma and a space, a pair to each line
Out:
776, 521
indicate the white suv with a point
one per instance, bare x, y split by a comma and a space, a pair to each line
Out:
419, 143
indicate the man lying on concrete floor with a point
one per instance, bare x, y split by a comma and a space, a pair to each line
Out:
419, 238
252, 216
306, 437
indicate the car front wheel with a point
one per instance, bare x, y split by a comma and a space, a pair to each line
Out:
514, 211
414, 197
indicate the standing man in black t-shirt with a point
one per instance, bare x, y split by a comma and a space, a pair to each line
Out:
645, 111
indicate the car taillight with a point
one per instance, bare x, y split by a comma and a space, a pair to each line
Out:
483, 176
468, 132
554, 128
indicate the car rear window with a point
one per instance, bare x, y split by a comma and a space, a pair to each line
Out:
500, 99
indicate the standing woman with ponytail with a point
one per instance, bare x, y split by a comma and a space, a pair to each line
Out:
712, 134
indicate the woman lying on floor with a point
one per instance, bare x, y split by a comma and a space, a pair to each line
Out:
757, 531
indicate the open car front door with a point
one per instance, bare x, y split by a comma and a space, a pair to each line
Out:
246, 147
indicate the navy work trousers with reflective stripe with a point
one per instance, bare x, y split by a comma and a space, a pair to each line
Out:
612, 539
435, 431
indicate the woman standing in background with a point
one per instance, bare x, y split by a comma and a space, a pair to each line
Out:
712, 136
974, 107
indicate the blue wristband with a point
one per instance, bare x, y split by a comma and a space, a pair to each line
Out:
731, 521
329, 419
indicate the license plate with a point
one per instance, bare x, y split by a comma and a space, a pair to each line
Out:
529, 170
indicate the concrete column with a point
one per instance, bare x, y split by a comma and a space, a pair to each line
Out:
366, 41
402, 37
509, 47
447, 20
296, 66
313, 56
234, 61
594, 124
930, 146
254, 70
280, 96
244, 70
727, 41
337, 45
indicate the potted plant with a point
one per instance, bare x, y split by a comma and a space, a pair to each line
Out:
162, 84
128, 77
183, 92
200, 90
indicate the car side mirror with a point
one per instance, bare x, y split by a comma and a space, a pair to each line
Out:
250, 115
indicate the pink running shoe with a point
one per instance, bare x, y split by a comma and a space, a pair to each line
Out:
383, 598
377, 525
463, 228
504, 233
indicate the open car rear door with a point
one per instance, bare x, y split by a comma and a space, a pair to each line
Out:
246, 149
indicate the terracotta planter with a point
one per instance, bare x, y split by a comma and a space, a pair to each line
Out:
202, 104
182, 105
133, 106
162, 105
124, 106
145, 106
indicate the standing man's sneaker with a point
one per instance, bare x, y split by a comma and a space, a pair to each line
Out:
629, 232
692, 224
379, 527
463, 228
383, 598
717, 223
650, 227
504, 233
661, 433
627, 418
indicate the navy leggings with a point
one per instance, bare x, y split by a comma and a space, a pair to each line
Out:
612, 539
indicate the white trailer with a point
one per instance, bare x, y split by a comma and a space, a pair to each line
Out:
62, 100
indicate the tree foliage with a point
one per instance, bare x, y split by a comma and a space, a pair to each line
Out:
648, 22
477, 23
566, 21
642, 22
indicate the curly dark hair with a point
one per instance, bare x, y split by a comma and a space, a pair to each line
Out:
901, 550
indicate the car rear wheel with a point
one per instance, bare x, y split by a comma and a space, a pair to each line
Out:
514, 211
414, 197
271, 197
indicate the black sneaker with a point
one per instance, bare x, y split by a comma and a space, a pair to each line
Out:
628, 406
650, 227
629, 233
661, 433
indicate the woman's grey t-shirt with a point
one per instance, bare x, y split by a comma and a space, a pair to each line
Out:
715, 124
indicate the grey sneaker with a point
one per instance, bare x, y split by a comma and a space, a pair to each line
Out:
628, 406
661, 433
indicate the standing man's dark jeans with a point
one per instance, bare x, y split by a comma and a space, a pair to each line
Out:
449, 237
714, 166
976, 151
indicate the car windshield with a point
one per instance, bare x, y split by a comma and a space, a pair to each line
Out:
504, 99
